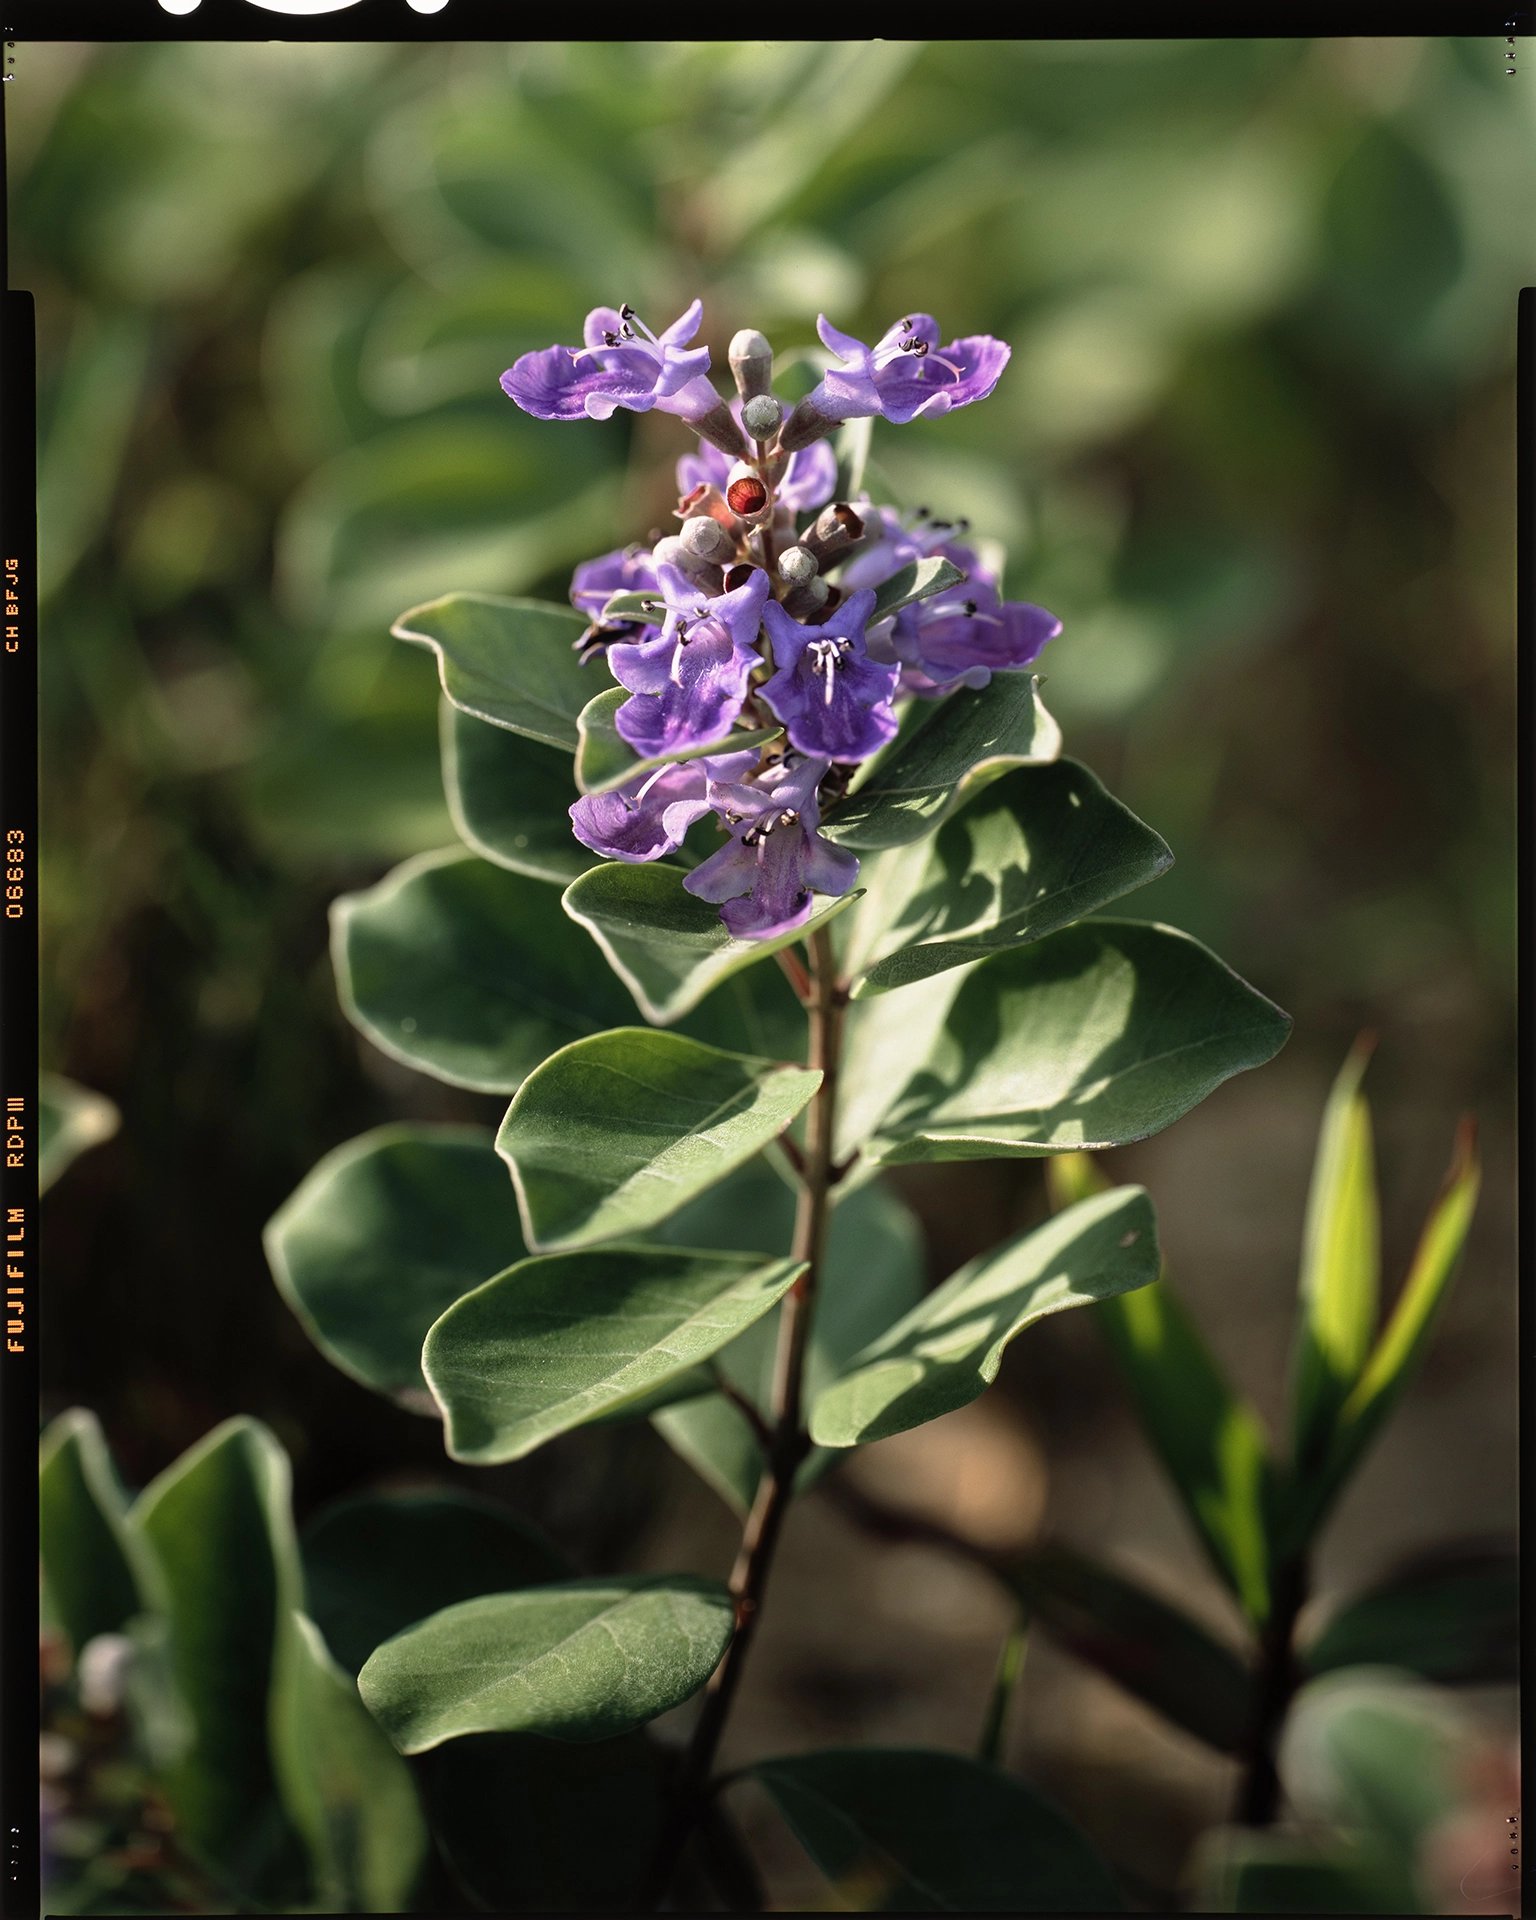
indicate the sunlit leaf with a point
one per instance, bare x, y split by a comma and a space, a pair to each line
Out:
584, 1660
947, 1350
557, 1341
382, 1236
1037, 849
916, 581
904, 1830
510, 798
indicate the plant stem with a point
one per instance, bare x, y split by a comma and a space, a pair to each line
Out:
1010, 1664
789, 1443
1275, 1684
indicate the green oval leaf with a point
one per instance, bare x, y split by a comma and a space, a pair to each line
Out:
349, 1792
557, 1341
904, 1830
217, 1523
916, 581
96, 1571
605, 759
1451, 1616
1039, 848
381, 1238
585, 1660
511, 662
947, 1350
378, 1564
516, 1815
468, 972
668, 948
510, 799
967, 739
614, 1133
1105, 1032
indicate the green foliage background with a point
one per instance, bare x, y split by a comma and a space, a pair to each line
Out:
1255, 448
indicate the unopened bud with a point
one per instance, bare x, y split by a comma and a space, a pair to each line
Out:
796, 566
808, 597
706, 539
751, 360
835, 530
804, 426
719, 428
761, 416
745, 491
671, 552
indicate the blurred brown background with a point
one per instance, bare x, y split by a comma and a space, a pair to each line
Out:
1255, 448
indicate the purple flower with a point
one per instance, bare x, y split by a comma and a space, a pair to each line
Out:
622, 364
595, 582
648, 816
689, 683
831, 696
905, 373
807, 482
776, 858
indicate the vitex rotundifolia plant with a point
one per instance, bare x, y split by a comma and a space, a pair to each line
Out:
773, 876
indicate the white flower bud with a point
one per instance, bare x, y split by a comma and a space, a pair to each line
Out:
706, 539
796, 565
751, 360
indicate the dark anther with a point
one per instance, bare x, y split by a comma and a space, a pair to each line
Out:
906, 326
747, 495
626, 312
610, 338
970, 607
919, 347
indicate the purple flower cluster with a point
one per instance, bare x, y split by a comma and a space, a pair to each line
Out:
757, 614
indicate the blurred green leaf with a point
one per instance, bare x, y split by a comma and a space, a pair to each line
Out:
563, 1339
468, 972
510, 662
1035, 850
947, 1350
217, 1523
510, 798
872, 1274
380, 1239
1339, 1269
669, 948
1450, 1617
584, 1660
605, 759
87, 436
612, 1134
1094, 1036
378, 1563
1152, 1649
516, 1816
964, 741
70, 1120
904, 1830
1241, 1870
96, 1571
347, 1790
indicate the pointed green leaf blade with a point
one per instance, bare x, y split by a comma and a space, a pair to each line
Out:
347, 1790
947, 1350
612, 1134
1210, 1443
872, 1274
217, 1523
510, 799
558, 1340
584, 1660
511, 662
379, 1563
669, 948
515, 1816
96, 1571
1150, 1648
968, 739
1452, 1617
904, 1830
1339, 1268
381, 1238
605, 759
1103, 1033
468, 972
70, 1120
916, 581
1034, 851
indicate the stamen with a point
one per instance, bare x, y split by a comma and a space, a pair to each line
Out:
651, 782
